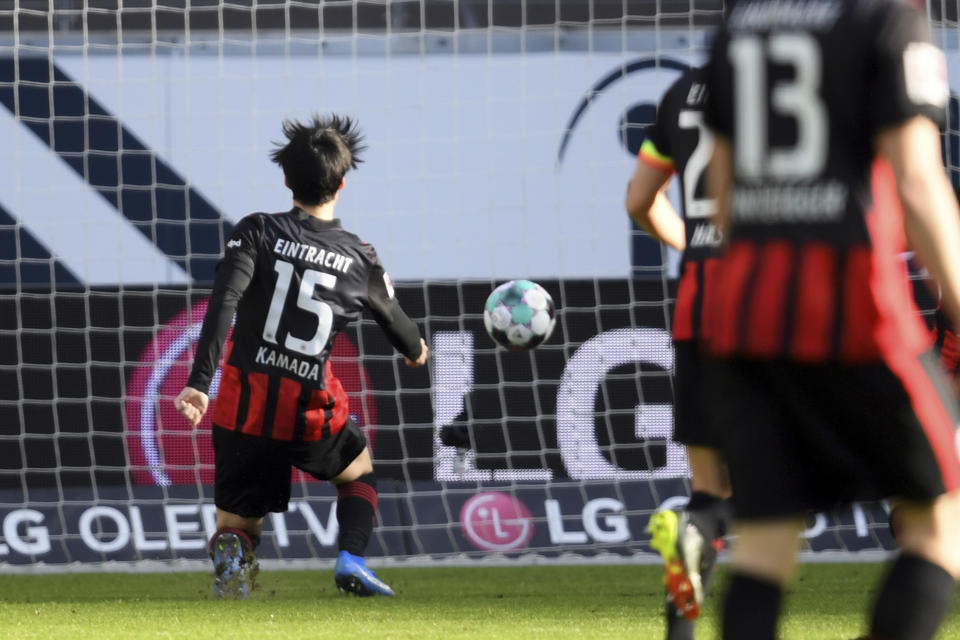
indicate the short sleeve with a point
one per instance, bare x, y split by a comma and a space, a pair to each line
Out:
909, 73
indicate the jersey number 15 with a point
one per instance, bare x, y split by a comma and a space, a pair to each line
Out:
305, 300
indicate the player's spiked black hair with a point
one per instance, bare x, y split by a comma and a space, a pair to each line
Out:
317, 156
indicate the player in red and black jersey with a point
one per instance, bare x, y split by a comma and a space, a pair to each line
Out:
678, 142
826, 117
294, 279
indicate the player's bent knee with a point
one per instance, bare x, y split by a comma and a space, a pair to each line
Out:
362, 465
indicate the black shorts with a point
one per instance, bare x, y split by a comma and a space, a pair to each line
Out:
804, 438
692, 424
253, 474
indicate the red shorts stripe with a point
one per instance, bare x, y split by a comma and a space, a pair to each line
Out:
285, 418
930, 411
814, 314
258, 400
228, 396
686, 294
765, 318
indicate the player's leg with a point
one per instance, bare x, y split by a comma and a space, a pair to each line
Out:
709, 508
918, 591
232, 550
251, 479
914, 442
356, 512
688, 539
764, 557
345, 461
771, 425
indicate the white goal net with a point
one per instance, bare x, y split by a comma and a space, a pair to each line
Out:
501, 135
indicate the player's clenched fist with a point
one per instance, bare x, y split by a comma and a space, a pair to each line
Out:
192, 404
422, 359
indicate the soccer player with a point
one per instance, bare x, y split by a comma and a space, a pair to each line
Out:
678, 142
826, 116
295, 280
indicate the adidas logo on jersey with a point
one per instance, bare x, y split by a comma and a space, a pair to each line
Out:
233, 243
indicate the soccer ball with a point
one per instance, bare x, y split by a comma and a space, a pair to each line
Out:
519, 315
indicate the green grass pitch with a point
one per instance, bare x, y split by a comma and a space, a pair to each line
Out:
519, 602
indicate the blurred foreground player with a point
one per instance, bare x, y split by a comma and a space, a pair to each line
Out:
678, 142
295, 280
826, 111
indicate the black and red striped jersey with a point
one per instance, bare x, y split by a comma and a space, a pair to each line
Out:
801, 89
295, 282
679, 141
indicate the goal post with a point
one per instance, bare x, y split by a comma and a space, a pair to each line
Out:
501, 135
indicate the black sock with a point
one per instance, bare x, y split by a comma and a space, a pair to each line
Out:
710, 514
678, 627
751, 608
915, 598
356, 508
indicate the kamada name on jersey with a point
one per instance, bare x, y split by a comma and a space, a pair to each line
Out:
308, 369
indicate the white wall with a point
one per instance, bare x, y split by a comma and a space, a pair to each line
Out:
461, 177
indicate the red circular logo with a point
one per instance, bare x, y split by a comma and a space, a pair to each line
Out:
163, 448
495, 521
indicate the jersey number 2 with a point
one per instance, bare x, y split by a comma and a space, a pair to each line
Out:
306, 301
694, 207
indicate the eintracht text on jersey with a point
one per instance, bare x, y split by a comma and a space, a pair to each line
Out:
308, 253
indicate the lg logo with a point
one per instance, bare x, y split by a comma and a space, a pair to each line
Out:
495, 521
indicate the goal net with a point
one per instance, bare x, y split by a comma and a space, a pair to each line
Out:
501, 135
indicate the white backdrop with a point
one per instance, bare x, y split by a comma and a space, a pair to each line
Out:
461, 178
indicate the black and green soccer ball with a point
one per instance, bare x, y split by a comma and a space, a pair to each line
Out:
519, 315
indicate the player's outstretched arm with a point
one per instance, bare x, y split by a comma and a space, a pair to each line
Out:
649, 207
399, 329
234, 274
930, 211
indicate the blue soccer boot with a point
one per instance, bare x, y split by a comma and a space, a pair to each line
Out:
353, 576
